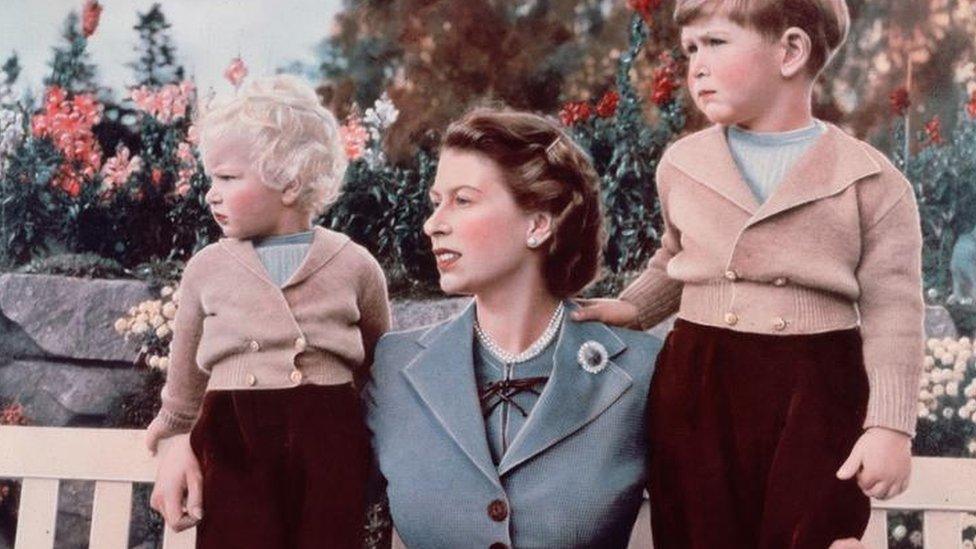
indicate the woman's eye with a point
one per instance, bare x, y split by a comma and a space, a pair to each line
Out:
461, 201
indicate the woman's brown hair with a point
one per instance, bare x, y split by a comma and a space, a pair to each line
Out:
545, 171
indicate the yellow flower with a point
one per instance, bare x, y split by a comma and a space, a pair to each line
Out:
121, 326
140, 327
169, 310
162, 331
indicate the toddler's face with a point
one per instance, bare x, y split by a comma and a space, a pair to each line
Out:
242, 205
733, 71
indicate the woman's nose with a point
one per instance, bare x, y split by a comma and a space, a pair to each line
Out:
435, 224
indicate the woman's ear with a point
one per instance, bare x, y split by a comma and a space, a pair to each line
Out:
540, 228
797, 47
290, 194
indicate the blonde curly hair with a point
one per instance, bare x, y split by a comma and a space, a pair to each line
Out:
294, 138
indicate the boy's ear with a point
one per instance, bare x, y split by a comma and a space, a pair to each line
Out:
796, 46
289, 195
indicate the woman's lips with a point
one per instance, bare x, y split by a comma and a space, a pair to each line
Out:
705, 94
446, 259
221, 219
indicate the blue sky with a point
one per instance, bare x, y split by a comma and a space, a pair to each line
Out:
207, 34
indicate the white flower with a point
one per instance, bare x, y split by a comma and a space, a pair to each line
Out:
382, 114
153, 361
947, 359
121, 326
932, 343
162, 331
948, 412
176, 296
938, 390
140, 327
964, 412
899, 532
971, 446
592, 357
169, 310
967, 544
163, 363
964, 341
952, 388
924, 395
166, 291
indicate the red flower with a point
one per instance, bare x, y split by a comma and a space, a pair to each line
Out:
91, 13
665, 80
354, 136
13, 414
644, 7
899, 101
67, 122
236, 71
608, 104
157, 176
971, 106
575, 112
933, 129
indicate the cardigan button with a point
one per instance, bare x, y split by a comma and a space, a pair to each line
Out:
731, 275
250, 380
731, 319
781, 281
300, 344
254, 345
779, 324
498, 510
296, 376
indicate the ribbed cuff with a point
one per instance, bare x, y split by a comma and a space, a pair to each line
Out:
893, 400
656, 296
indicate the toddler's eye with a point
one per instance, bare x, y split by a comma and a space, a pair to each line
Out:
715, 41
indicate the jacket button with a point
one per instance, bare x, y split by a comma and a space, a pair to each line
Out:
255, 346
300, 344
296, 376
779, 323
781, 281
731, 319
497, 545
251, 380
731, 275
498, 510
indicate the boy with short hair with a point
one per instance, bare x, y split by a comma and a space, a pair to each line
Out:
792, 254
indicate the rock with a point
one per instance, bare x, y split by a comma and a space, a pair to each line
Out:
68, 317
59, 394
75, 499
938, 322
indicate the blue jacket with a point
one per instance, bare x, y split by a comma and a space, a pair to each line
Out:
573, 476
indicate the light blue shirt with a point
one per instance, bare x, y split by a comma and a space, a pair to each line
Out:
764, 158
282, 254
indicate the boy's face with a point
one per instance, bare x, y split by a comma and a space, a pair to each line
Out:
733, 71
242, 205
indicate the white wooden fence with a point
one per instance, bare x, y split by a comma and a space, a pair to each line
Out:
943, 488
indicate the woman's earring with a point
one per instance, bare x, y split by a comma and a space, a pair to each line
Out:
532, 242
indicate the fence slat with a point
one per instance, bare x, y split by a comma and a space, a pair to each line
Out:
876, 534
183, 540
111, 513
38, 514
942, 529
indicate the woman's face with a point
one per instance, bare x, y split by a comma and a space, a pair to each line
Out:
477, 231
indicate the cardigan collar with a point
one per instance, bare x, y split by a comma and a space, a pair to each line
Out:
831, 164
325, 245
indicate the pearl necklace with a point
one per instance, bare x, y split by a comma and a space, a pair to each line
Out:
533, 351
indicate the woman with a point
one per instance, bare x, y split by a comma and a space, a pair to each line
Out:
511, 425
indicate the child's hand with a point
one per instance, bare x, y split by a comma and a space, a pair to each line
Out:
608, 311
882, 461
178, 478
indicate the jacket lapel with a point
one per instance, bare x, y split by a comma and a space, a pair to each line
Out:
443, 376
572, 397
720, 174
834, 162
325, 245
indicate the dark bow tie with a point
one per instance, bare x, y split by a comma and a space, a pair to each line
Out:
496, 392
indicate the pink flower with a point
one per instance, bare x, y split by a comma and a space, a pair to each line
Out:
67, 123
90, 15
236, 71
118, 169
933, 130
354, 136
971, 105
167, 104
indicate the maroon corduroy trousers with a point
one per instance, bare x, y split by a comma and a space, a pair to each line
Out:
747, 432
282, 468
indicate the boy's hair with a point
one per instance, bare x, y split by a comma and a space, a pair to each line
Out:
825, 21
293, 137
545, 171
